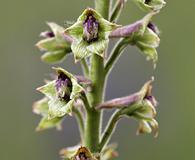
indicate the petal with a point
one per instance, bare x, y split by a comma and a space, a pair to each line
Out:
55, 28
79, 48
150, 52
98, 47
76, 89
144, 127
55, 106
146, 112
149, 38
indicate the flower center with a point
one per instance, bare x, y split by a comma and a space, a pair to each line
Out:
147, 1
153, 27
91, 27
82, 156
63, 87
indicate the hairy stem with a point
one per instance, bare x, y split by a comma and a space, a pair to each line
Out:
85, 67
93, 123
115, 54
97, 76
113, 122
116, 11
80, 121
109, 129
103, 7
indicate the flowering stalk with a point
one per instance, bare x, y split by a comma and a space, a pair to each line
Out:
83, 96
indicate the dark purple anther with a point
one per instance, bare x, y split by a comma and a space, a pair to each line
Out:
147, 1
91, 27
82, 156
152, 100
153, 27
47, 34
63, 86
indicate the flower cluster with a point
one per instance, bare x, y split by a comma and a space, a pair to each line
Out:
82, 96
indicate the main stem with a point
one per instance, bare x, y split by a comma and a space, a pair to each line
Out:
97, 76
93, 122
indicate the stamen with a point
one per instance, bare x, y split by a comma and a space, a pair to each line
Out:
91, 27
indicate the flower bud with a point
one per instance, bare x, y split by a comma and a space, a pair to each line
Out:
55, 45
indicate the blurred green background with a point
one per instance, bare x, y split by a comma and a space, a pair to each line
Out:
21, 71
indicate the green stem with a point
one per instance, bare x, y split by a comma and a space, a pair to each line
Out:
85, 67
116, 11
93, 122
80, 121
103, 7
113, 122
115, 54
96, 96
109, 129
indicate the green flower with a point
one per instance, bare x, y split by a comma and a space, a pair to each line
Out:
82, 153
146, 38
90, 34
150, 5
146, 112
77, 153
61, 93
56, 45
147, 43
41, 108
140, 105
142, 34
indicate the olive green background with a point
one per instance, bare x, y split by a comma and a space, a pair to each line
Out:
21, 71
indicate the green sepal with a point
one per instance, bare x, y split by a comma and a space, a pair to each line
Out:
46, 123
41, 108
153, 5
48, 89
